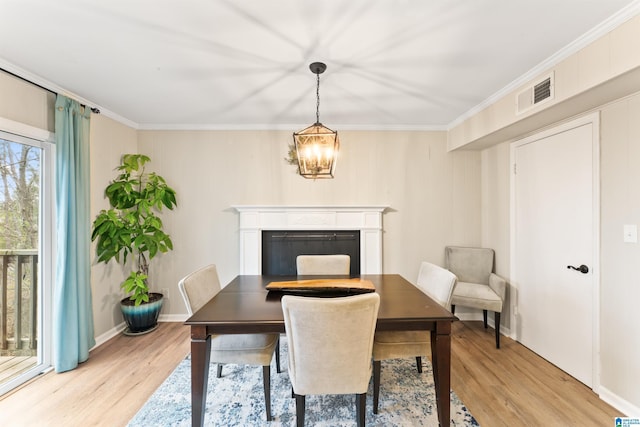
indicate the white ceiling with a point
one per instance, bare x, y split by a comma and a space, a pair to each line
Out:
208, 64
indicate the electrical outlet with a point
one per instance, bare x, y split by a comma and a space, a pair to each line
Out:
630, 233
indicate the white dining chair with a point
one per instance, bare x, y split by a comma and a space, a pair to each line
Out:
330, 342
436, 282
323, 264
197, 288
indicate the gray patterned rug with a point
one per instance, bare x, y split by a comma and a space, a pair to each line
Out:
406, 399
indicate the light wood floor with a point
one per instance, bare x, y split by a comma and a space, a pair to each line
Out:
513, 386
507, 387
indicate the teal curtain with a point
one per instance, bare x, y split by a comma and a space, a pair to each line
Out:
72, 310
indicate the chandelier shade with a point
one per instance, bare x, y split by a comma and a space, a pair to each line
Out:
316, 146
316, 149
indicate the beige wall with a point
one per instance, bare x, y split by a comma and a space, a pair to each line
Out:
619, 205
109, 140
495, 214
433, 196
619, 261
25, 103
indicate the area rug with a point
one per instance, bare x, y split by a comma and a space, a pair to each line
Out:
407, 398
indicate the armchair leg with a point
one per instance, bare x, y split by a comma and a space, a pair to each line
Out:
484, 317
361, 403
419, 364
266, 380
299, 410
219, 371
497, 322
376, 385
278, 356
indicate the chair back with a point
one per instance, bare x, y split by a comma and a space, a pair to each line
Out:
473, 265
330, 342
323, 264
436, 282
199, 287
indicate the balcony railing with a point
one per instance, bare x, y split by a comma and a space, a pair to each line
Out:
18, 302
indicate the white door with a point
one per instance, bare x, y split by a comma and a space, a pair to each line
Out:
555, 229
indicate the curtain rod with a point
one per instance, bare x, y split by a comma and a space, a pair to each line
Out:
93, 109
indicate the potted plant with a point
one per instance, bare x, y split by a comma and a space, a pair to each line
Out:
132, 227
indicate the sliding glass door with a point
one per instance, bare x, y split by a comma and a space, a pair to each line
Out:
26, 180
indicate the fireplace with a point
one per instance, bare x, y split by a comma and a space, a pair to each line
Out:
361, 225
281, 247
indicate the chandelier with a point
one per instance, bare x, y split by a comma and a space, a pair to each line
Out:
316, 146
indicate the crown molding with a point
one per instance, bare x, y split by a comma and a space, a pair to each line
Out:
289, 127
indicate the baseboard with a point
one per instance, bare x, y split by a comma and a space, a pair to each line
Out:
103, 338
173, 318
626, 408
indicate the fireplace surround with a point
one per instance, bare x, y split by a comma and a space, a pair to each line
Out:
253, 220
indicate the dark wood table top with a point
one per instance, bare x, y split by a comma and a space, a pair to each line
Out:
245, 306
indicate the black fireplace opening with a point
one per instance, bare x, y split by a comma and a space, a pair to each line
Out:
280, 248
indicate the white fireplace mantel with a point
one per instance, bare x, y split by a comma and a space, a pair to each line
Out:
255, 219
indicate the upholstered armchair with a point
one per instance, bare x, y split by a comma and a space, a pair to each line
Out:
434, 281
322, 264
478, 286
197, 289
330, 342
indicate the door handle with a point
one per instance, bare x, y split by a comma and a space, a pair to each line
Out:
582, 269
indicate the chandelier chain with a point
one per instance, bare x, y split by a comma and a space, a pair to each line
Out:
318, 99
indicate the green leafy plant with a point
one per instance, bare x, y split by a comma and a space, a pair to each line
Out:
132, 225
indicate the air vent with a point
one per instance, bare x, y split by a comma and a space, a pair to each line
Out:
538, 93
542, 90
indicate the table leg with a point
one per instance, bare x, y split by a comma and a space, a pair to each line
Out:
200, 355
441, 361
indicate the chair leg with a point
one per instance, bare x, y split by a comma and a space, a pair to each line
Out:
497, 322
361, 404
484, 317
299, 410
219, 372
453, 309
266, 380
278, 356
376, 385
419, 364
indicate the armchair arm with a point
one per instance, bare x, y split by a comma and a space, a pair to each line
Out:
498, 284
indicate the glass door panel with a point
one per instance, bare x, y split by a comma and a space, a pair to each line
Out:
24, 180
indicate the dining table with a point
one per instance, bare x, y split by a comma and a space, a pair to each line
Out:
245, 305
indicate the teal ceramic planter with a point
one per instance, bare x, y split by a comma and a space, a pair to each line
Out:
143, 318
